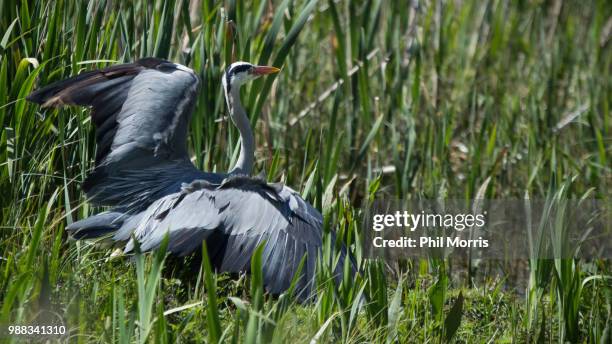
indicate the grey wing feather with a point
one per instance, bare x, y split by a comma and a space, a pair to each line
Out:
141, 112
97, 225
248, 212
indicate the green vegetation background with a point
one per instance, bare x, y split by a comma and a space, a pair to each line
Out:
377, 99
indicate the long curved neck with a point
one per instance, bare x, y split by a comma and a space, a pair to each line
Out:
244, 165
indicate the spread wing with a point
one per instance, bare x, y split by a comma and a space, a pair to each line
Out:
246, 212
141, 112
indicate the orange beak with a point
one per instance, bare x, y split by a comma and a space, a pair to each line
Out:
263, 70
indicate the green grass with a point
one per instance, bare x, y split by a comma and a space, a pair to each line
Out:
376, 100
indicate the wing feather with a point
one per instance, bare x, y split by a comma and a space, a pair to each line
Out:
246, 212
141, 112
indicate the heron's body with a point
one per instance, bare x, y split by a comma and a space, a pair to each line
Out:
141, 112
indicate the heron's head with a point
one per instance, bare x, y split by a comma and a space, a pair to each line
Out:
239, 73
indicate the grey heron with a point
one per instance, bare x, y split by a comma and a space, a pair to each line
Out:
141, 112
